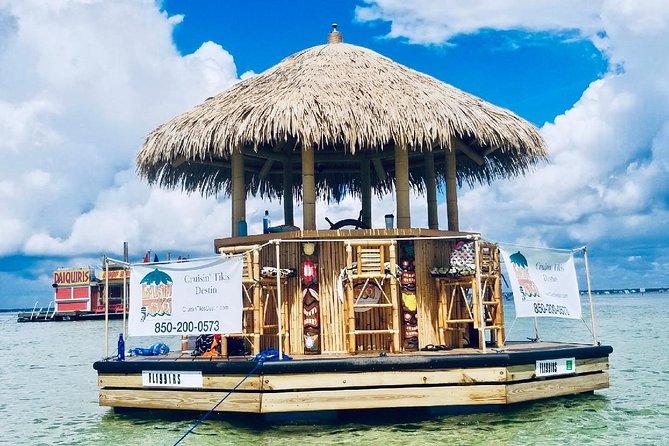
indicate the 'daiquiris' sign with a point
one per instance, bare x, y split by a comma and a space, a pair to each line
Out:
543, 282
189, 298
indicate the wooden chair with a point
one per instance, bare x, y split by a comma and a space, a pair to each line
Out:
370, 268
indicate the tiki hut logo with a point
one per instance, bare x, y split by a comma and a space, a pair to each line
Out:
527, 286
156, 294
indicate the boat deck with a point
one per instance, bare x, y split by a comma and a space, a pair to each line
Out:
458, 377
510, 348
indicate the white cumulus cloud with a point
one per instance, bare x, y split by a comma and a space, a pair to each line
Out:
607, 182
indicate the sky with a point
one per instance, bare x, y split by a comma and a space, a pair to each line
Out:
82, 82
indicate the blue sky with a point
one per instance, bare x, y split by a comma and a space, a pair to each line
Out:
83, 81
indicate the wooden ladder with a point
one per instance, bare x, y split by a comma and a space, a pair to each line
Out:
370, 270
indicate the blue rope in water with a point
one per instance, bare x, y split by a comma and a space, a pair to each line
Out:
204, 417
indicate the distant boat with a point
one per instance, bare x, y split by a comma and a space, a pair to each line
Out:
80, 295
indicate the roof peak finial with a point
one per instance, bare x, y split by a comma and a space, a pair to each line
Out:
335, 36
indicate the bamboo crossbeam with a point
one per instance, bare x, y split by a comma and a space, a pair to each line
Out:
370, 243
366, 332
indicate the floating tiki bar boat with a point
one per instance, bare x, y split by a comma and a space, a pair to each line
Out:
372, 318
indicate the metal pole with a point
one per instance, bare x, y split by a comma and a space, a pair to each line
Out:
125, 298
278, 295
106, 307
592, 308
536, 330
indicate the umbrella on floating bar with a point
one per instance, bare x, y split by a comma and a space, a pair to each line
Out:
339, 119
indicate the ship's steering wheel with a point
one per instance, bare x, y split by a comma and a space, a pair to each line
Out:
357, 224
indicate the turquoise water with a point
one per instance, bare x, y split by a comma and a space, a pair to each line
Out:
49, 394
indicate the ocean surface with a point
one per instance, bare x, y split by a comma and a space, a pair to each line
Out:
49, 394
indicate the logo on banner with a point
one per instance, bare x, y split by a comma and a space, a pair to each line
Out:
156, 294
528, 288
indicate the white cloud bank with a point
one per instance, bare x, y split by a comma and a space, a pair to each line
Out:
608, 182
81, 84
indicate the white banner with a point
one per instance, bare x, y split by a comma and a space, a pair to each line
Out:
188, 298
543, 282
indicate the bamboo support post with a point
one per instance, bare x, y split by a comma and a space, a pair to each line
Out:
431, 191
224, 345
350, 312
238, 191
288, 191
257, 297
277, 244
366, 191
441, 311
308, 189
402, 187
394, 298
479, 315
451, 190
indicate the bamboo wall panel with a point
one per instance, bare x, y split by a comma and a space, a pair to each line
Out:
332, 259
429, 254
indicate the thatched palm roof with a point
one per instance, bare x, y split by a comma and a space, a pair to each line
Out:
346, 102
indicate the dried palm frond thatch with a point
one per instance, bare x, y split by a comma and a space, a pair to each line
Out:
348, 103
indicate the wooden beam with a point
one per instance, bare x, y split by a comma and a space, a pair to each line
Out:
288, 192
308, 189
265, 169
431, 191
179, 161
451, 191
265, 155
489, 151
378, 167
366, 191
238, 191
402, 187
464, 148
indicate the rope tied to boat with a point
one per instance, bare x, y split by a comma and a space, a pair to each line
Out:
260, 360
